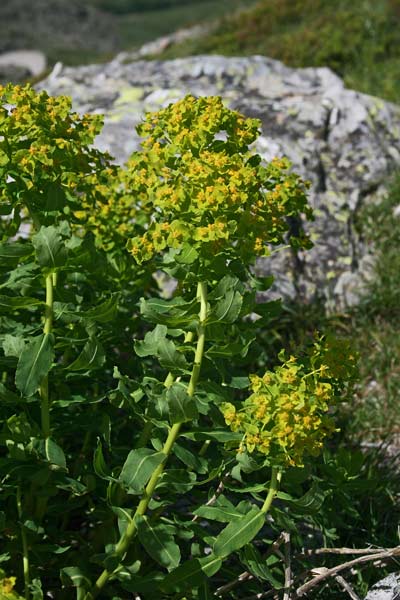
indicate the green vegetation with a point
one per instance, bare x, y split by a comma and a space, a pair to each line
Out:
137, 28
122, 411
358, 40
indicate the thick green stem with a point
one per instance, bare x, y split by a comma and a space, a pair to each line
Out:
273, 489
51, 279
47, 328
131, 530
25, 550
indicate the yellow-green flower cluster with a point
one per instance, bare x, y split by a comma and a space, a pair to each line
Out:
46, 158
201, 186
7, 587
286, 416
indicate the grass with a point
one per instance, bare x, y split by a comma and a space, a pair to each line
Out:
137, 28
359, 40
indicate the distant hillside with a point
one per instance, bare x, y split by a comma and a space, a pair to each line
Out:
82, 31
360, 40
64, 30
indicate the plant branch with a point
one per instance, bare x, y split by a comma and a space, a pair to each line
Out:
288, 569
346, 587
130, 533
273, 489
47, 328
25, 548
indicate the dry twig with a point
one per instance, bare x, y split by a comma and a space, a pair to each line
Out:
288, 569
346, 587
382, 555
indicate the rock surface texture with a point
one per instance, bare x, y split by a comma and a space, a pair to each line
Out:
386, 589
345, 142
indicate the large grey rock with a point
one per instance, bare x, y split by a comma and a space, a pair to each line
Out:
386, 589
345, 142
18, 65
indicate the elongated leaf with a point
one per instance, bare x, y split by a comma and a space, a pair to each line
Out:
220, 435
13, 345
257, 565
174, 313
181, 406
159, 543
91, 357
139, 467
8, 302
34, 363
308, 504
218, 513
11, 254
227, 308
239, 533
191, 460
50, 248
99, 463
191, 574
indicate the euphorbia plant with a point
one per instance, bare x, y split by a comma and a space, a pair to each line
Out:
212, 208
196, 207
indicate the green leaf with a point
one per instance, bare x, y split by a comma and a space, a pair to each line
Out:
8, 397
104, 312
73, 576
191, 574
50, 248
181, 406
55, 197
173, 313
257, 566
99, 464
13, 345
159, 543
218, 513
91, 357
187, 255
309, 504
149, 346
169, 356
54, 454
191, 460
228, 308
34, 363
18, 302
178, 480
139, 467
220, 435
239, 533
50, 452
11, 254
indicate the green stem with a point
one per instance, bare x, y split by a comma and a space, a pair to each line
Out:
25, 550
41, 504
273, 489
47, 328
130, 533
